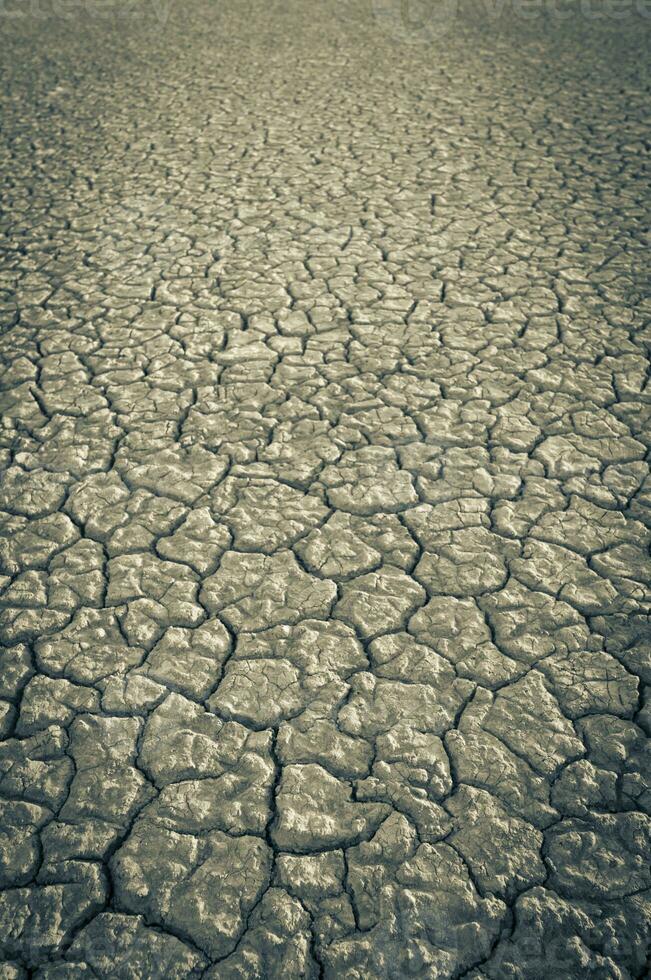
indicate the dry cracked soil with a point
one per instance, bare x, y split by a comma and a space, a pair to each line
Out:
325, 500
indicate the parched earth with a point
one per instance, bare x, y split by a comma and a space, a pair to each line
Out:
324, 579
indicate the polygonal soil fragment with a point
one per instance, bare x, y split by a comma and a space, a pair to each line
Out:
467, 563
255, 592
181, 476
431, 916
113, 944
189, 660
379, 602
528, 720
265, 517
199, 542
457, 630
335, 551
202, 888
502, 851
316, 812
604, 857
368, 481
377, 705
277, 943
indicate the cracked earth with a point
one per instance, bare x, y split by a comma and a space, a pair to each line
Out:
325, 501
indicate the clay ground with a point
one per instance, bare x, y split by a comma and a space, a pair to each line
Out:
324, 581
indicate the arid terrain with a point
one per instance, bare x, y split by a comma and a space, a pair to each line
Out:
325, 496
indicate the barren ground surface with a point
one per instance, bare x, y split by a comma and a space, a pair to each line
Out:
325, 502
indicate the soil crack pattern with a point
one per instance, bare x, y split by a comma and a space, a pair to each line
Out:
325, 504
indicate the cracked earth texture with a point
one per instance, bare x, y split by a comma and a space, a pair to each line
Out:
325, 501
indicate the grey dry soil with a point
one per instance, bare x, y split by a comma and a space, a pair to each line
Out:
325, 496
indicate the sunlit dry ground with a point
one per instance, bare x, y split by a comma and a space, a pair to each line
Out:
324, 564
